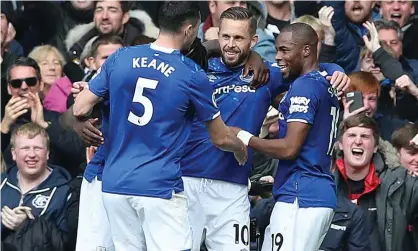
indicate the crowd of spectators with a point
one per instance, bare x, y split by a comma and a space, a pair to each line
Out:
47, 46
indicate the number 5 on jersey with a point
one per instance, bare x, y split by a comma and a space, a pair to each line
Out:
139, 97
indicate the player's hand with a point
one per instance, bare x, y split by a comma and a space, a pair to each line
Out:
12, 219
242, 155
405, 84
340, 82
373, 43
78, 87
212, 33
16, 107
89, 132
90, 151
256, 65
347, 112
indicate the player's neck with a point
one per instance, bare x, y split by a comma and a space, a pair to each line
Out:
310, 65
169, 41
356, 173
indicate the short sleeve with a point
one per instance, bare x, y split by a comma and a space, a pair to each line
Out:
304, 101
330, 68
202, 98
99, 83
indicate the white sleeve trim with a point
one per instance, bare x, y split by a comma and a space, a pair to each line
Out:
216, 115
298, 120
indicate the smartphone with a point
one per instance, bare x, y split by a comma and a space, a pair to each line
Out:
357, 97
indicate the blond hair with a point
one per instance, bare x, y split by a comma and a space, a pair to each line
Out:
39, 53
314, 23
30, 130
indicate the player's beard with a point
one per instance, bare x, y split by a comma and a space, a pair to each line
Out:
243, 56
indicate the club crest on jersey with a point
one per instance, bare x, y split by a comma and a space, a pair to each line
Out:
246, 79
40, 201
332, 91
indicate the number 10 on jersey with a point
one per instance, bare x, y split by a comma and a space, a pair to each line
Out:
139, 97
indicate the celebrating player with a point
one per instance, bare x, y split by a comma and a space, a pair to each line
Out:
221, 205
304, 188
154, 92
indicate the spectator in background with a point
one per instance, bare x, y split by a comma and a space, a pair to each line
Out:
6, 57
70, 14
280, 14
34, 195
102, 47
391, 34
368, 173
397, 75
407, 153
56, 86
110, 17
403, 12
369, 86
347, 22
24, 85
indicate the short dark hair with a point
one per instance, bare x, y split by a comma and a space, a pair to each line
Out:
24, 61
124, 5
360, 120
402, 137
241, 14
105, 39
174, 14
303, 34
389, 25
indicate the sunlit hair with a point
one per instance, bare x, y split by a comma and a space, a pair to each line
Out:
39, 53
29, 130
241, 14
365, 82
314, 23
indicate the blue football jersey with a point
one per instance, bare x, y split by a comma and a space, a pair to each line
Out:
95, 166
311, 100
240, 106
154, 95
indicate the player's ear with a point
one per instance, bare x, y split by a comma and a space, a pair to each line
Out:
188, 30
307, 51
254, 40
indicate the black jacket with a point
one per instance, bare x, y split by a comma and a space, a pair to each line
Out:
349, 230
81, 37
39, 234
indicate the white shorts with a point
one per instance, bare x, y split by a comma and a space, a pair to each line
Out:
93, 232
221, 210
142, 223
297, 229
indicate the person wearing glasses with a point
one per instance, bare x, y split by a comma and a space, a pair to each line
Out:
24, 86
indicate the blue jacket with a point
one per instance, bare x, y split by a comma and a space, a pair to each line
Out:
49, 199
349, 230
348, 38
